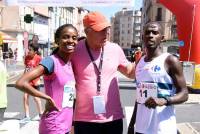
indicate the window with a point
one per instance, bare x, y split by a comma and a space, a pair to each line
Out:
159, 14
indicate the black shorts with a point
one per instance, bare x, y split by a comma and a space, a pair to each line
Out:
113, 127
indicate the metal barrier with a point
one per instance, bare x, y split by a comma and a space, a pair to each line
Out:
188, 71
192, 75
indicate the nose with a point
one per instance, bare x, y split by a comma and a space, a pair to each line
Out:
150, 34
70, 40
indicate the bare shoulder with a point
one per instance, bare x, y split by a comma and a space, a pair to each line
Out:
172, 63
172, 60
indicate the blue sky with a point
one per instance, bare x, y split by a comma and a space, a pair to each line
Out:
109, 11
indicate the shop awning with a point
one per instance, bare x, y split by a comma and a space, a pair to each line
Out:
7, 38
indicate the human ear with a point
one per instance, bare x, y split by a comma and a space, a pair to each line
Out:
162, 38
87, 30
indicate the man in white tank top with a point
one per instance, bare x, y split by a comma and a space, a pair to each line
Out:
160, 85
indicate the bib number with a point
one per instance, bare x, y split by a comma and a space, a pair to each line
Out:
146, 90
68, 96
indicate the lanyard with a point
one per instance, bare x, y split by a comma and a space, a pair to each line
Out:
99, 69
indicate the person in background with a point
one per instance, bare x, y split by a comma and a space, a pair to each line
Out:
3, 91
32, 60
96, 63
10, 53
59, 83
138, 54
160, 85
15, 54
9, 57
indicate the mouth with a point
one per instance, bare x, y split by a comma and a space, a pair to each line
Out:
70, 47
151, 42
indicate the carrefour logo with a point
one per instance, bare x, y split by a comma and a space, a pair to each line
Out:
156, 68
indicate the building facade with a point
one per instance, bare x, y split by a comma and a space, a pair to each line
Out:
137, 28
15, 32
122, 28
153, 11
13, 26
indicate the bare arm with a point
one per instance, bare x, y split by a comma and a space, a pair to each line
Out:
128, 71
23, 83
175, 70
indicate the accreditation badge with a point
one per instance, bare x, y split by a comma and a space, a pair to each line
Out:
99, 105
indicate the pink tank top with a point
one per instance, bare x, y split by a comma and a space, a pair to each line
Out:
56, 122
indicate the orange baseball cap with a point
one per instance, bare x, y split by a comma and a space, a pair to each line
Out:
96, 21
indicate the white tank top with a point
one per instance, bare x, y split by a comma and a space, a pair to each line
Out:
153, 76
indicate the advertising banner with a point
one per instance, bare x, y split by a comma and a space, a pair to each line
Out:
70, 2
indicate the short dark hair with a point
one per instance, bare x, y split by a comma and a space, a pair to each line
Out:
59, 30
160, 28
34, 48
58, 34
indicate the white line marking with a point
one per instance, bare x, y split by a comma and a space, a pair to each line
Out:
10, 114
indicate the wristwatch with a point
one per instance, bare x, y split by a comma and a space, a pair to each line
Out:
167, 98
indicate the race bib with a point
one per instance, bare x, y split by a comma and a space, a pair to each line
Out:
99, 104
68, 96
146, 90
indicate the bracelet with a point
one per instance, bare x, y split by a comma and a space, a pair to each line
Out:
167, 98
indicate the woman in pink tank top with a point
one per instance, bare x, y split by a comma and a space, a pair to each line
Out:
58, 82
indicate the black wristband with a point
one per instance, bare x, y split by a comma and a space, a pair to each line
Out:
167, 98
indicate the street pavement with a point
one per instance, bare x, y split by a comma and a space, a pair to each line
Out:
15, 72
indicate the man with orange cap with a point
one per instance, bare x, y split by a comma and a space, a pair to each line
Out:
96, 62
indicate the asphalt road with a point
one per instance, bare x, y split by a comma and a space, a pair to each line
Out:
185, 112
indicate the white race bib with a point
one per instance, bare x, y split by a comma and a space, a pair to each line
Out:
68, 96
146, 90
99, 104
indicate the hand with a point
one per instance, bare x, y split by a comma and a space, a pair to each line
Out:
153, 102
50, 105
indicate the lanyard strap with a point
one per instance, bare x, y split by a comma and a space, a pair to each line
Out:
99, 69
